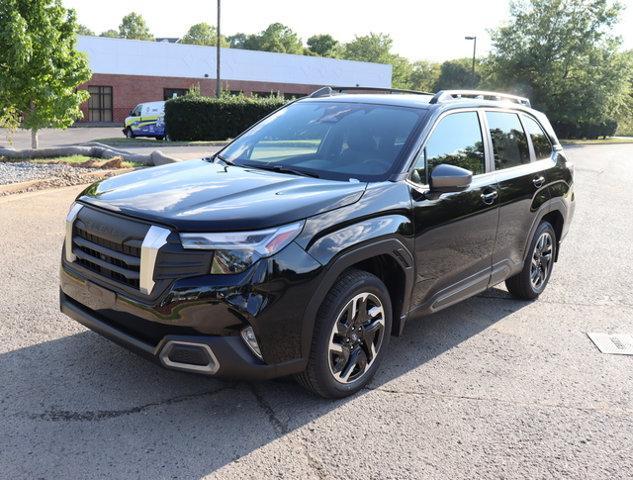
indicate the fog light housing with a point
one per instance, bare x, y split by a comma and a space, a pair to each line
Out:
248, 335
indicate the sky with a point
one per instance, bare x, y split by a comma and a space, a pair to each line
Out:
421, 30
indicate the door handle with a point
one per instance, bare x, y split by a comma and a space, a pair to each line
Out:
490, 197
538, 181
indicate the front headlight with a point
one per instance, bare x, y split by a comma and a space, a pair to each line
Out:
234, 252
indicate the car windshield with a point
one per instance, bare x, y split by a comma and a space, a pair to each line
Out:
333, 140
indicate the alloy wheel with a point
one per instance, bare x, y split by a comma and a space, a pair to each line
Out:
356, 338
541, 260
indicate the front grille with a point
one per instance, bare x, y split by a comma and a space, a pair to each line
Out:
119, 262
109, 248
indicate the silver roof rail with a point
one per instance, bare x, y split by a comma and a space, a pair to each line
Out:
322, 92
447, 95
329, 91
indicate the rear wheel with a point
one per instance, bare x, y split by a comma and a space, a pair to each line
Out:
350, 335
530, 282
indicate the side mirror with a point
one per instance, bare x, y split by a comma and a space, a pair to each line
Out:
449, 178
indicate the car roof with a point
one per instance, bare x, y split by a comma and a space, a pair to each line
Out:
400, 100
423, 101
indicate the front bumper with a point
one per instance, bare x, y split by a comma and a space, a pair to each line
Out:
208, 312
231, 358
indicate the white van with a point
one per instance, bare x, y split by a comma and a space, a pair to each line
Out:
146, 120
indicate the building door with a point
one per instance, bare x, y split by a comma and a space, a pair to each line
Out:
100, 104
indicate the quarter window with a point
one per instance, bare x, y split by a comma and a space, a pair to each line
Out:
509, 142
456, 140
540, 142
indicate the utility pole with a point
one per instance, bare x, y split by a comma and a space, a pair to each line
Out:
218, 86
474, 39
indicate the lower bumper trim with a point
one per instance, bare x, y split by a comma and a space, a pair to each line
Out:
177, 354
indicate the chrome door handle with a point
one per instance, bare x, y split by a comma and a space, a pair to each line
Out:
489, 198
538, 181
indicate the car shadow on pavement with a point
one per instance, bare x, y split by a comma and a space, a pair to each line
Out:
80, 406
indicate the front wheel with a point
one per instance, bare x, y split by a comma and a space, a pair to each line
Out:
129, 133
530, 282
350, 335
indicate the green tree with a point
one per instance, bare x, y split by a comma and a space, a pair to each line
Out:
424, 75
625, 116
457, 74
133, 26
324, 45
376, 47
110, 34
237, 41
83, 30
280, 38
203, 34
564, 55
40, 68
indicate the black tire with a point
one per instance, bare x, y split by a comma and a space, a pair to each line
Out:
319, 376
160, 137
521, 285
129, 133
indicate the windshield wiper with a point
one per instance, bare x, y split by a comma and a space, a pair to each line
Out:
284, 169
217, 156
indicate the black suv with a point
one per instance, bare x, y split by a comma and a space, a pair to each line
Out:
305, 243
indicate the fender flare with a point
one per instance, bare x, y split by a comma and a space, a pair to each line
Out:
552, 205
391, 246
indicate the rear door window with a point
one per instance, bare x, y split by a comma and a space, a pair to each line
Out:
509, 142
540, 142
456, 140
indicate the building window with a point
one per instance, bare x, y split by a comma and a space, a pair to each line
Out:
265, 94
173, 93
100, 104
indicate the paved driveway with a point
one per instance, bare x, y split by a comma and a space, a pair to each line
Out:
50, 137
490, 388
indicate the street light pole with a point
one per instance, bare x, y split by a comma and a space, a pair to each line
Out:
218, 86
474, 39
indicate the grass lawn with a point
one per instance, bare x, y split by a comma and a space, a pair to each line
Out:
75, 160
598, 141
117, 142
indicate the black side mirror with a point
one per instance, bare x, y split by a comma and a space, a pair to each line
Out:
449, 178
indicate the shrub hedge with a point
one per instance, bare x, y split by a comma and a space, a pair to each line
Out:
585, 129
192, 117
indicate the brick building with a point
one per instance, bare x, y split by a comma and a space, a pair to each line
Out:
129, 72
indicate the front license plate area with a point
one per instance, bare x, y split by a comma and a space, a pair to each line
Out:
92, 296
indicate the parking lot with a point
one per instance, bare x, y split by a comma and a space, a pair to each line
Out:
490, 388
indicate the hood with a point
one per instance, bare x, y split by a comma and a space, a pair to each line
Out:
198, 195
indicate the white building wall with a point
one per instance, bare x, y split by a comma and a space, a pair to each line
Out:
136, 57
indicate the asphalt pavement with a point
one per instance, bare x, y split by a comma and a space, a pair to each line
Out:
490, 388
50, 137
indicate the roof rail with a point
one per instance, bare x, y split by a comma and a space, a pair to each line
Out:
446, 95
329, 91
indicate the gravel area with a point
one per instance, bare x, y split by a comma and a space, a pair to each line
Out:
12, 172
